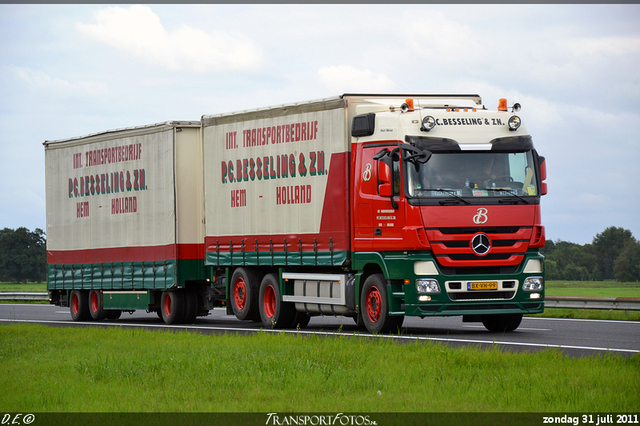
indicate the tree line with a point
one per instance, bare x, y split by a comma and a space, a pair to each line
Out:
614, 254
23, 255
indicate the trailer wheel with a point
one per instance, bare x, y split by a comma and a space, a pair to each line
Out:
191, 306
501, 322
96, 306
245, 286
273, 311
79, 305
375, 305
172, 307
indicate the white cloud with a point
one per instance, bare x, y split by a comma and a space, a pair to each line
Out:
346, 78
138, 31
592, 49
433, 37
41, 82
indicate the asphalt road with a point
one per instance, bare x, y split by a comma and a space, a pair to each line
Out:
574, 337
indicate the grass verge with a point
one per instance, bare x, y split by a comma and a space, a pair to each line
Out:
73, 369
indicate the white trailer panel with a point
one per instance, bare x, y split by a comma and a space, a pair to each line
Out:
112, 206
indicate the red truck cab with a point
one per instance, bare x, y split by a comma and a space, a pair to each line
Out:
447, 207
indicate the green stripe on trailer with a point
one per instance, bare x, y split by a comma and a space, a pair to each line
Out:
277, 258
151, 275
190, 270
112, 275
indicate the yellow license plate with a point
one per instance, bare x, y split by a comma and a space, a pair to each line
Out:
491, 285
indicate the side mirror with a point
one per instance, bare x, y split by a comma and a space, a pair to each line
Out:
543, 176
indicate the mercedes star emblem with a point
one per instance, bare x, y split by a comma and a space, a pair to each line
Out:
480, 243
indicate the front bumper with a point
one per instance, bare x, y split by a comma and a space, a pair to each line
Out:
477, 293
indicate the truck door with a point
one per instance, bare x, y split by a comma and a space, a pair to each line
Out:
379, 206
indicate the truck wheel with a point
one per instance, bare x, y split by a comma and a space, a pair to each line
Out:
172, 307
375, 305
191, 306
96, 307
79, 305
245, 286
501, 322
273, 311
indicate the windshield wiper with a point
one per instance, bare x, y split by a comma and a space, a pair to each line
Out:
510, 200
450, 192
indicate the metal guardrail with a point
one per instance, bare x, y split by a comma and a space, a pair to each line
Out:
21, 295
568, 302
571, 302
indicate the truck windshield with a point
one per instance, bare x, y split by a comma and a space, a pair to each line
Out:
473, 174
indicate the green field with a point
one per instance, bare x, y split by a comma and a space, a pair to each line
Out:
592, 289
48, 369
30, 287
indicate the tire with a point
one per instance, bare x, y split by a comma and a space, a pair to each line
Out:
375, 306
172, 307
96, 306
191, 306
273, 311
245, 286
501, 322
79, 305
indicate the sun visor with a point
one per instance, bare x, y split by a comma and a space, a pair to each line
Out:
433, 144
508, 144
512, 144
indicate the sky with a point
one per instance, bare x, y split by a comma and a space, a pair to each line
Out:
73, 70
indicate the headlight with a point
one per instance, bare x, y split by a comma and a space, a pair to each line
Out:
532, 284
428, 123
514, 122
427, 285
